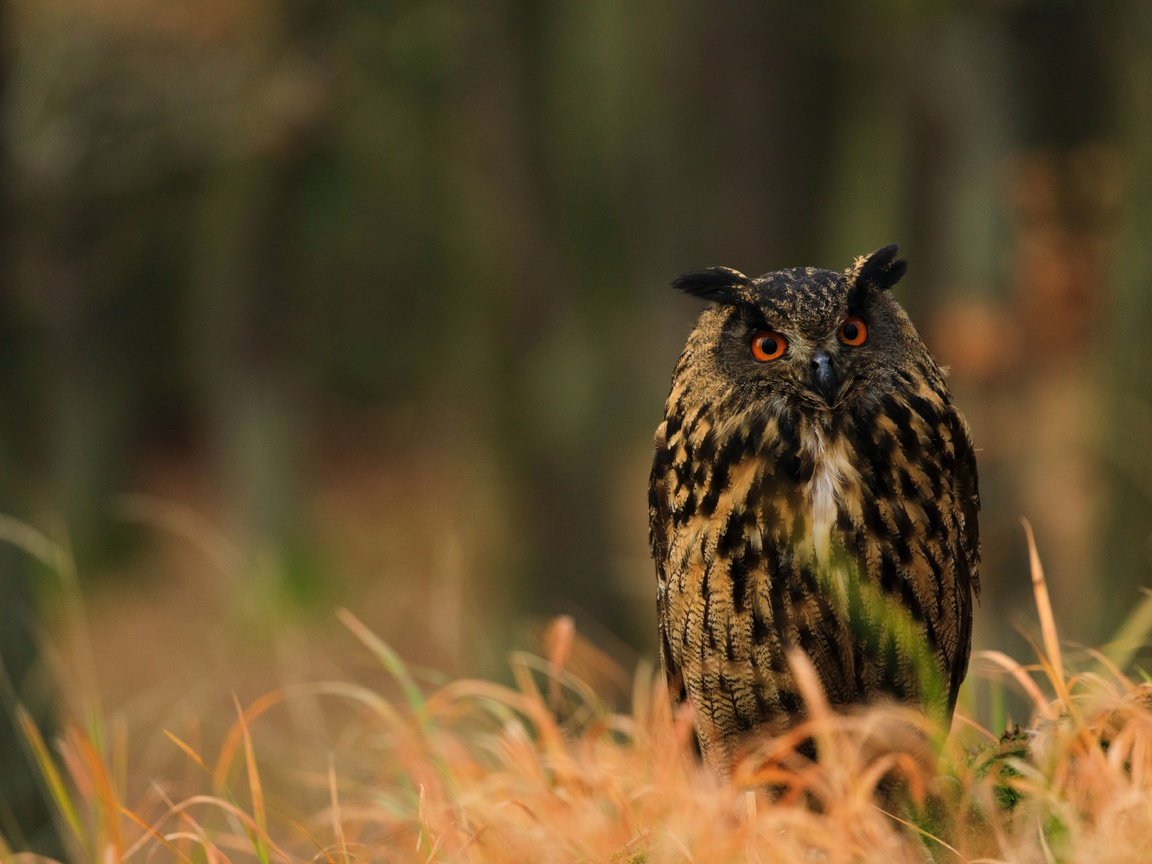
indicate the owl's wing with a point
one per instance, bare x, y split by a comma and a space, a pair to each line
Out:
659, 518
967, 497
676, 687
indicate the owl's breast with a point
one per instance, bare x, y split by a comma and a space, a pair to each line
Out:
832, 488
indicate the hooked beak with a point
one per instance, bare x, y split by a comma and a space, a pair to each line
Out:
822, 377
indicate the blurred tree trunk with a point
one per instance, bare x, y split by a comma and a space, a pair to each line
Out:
763, 108
528, 391
25, 821
251, 287
1062, 193
1126, 562
248, 372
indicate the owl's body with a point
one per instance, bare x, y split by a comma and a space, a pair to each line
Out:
813, 488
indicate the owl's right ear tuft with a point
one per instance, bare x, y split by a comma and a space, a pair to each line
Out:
882, 269
718, 284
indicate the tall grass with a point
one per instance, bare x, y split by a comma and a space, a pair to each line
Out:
542, 770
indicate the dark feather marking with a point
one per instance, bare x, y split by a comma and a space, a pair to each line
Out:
671, 670
793, 467
786, 429
734, 448
763, 706
709, 501
933, 521
732, 537
910, 600
907, 484
719, 480
707, 448
927, 411
790, 703
904, 529
739, 572
889, 574
760, 631
681, 516
699, 474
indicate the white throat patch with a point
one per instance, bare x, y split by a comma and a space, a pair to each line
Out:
831, 469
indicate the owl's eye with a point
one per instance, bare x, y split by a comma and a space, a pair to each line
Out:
767, 345
854, 332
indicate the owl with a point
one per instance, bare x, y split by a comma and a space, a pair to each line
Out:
813, 488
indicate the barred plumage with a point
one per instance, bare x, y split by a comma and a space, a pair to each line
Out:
825, 498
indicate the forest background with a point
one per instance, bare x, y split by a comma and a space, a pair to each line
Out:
307, 305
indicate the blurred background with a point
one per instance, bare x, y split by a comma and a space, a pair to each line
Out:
308, 304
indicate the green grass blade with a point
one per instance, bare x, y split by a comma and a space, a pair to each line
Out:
389, 659
1131, 637
57, 788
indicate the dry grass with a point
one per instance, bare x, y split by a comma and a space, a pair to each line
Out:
541, 771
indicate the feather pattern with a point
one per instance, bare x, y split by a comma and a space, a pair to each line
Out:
846, 527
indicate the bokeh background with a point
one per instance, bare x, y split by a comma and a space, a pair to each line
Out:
308, 304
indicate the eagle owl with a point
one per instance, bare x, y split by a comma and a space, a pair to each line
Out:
814, 488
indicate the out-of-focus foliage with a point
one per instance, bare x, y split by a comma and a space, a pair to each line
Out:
373, 291
378, 286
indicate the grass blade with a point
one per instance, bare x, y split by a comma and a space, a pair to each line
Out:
390, 660
256, 790
1133, 635
57, 788
1048, 633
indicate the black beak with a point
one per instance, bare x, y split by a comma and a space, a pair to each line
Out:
823, 377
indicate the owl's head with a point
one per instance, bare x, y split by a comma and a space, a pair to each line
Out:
804, 338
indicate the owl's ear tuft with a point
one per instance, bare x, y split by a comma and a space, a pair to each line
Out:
880, 270
718, 284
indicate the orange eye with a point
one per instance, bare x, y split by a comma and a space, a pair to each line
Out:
854, 331
767, 345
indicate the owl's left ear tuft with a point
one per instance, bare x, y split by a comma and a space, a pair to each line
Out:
881, 270
718, 284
